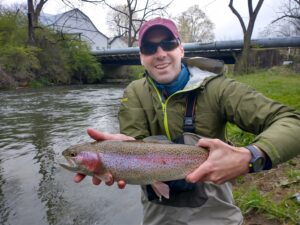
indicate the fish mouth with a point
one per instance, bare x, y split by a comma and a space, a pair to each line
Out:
70, 165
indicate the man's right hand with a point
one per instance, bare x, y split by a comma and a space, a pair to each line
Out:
101, 136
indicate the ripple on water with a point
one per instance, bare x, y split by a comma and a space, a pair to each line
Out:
35, 127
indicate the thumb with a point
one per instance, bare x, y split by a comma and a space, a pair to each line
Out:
96, 135
205, 143
204, 169
198, 174
101, 136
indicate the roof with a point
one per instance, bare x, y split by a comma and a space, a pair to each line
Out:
49, 19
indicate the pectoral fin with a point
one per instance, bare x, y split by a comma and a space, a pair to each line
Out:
161, 190
191, 138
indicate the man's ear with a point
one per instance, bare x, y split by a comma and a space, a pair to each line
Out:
141, 59
181, 50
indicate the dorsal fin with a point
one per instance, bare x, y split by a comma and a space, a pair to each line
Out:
162, 139
191, 138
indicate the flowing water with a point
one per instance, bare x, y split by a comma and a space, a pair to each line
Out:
35, 127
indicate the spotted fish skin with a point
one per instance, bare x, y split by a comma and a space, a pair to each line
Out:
135, 162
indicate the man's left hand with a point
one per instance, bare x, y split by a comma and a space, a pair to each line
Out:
224, 163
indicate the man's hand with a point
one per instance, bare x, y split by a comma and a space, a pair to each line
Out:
101, 136
224, 163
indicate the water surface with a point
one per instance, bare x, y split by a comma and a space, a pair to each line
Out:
35, 127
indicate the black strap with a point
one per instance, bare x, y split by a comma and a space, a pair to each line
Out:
189, 118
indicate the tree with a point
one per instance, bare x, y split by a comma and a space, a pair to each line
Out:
290, 16
117, 22
135, 13
282, 28
242, 61
195, 26
34, 10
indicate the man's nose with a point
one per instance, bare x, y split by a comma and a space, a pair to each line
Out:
160, 52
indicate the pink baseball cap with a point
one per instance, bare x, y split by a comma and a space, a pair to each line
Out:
158, 21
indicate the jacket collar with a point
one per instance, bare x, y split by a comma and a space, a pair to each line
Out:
202, 70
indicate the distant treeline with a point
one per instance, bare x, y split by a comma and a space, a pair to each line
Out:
53, 59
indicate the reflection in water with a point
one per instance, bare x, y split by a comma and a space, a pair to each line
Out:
4, 209
35, 126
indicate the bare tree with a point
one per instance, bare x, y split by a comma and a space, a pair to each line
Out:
282, 28
34, 10
290, 13
195, 26
117, 22
242, 62
135, 14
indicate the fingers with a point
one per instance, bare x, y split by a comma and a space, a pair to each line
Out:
109, 181
78, 177
121, 184
199, 174
101, 136
205, 143
96, 181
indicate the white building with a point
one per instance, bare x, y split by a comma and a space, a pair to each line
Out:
75, 22
117, 42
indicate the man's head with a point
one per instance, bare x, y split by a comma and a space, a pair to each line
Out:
160, 49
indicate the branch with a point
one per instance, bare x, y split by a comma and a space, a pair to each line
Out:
235, 12
93, 1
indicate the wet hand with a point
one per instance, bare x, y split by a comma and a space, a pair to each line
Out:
224, 163
101, 136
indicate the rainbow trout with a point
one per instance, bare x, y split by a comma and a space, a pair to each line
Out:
150, 161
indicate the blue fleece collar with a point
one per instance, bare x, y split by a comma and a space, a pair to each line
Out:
176, 85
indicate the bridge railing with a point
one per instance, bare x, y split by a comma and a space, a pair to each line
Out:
219, 49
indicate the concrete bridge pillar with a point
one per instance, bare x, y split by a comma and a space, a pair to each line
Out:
116, 73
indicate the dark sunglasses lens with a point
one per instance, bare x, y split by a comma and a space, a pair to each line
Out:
149, 49
169, 45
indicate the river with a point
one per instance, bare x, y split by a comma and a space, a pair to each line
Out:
36, 125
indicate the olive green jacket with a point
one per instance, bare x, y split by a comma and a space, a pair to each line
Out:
144, 112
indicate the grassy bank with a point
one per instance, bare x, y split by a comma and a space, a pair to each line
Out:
269, 197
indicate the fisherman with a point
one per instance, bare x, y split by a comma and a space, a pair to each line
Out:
180, 95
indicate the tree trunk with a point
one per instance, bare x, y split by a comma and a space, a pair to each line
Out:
242, 63
30, 24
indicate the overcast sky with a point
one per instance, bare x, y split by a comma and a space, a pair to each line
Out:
227, 26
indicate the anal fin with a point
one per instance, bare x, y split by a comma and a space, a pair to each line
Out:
161, 190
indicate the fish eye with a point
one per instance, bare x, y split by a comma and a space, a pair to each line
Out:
73, 154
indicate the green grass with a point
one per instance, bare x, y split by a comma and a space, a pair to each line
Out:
280, 84
254, 201
259, 193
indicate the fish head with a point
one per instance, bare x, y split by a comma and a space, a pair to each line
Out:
82, 159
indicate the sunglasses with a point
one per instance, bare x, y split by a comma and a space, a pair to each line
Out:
150, 48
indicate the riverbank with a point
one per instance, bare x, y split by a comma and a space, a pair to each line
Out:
270, 198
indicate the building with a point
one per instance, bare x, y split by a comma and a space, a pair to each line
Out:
117, 42
75, 22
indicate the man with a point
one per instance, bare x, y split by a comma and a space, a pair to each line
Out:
194, 96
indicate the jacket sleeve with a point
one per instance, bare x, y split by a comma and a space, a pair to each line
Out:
132, 118
276, 126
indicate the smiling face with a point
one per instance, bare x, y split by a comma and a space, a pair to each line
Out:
163, 66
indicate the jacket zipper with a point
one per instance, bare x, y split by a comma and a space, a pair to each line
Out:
164, 106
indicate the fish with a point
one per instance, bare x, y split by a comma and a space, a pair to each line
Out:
152, 160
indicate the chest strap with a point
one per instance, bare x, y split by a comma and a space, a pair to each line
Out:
189, 118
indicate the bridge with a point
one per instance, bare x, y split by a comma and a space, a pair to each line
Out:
224, 50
